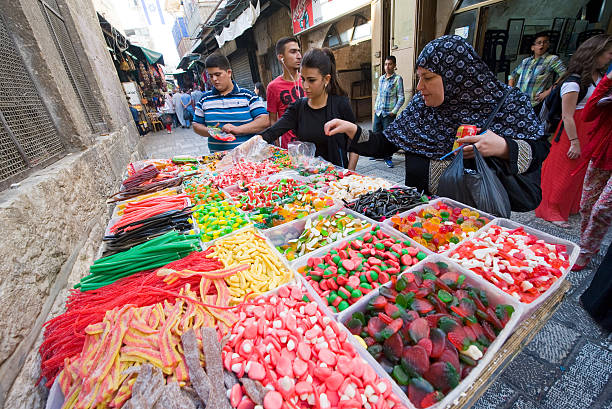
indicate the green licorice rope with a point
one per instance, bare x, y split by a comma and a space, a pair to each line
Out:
154, 253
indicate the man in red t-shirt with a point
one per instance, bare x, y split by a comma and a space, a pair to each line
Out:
287, 88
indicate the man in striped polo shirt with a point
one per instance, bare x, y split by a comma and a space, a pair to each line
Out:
235, 110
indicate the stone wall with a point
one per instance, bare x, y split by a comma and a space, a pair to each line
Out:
52, 222
267, 32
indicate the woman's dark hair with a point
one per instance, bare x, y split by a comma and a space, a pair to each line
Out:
323, 59
584, 59
261, 90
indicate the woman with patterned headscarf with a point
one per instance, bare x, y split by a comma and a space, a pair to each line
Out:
455, 87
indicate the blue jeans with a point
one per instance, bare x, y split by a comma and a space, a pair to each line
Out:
380, 123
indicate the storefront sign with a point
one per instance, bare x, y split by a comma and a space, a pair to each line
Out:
306, 14
132, 92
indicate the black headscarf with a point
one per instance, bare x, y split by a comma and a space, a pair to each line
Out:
471, 93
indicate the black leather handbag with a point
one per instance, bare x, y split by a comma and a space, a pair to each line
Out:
523, 189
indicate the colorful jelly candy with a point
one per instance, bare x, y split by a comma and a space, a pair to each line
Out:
322, 231
355, 267
428, 330
440, 226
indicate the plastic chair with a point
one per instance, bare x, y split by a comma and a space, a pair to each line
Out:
155, 121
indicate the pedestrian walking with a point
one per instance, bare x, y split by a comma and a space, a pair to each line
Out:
325, 99
536, 75
596, 202
389, 99
168, 112
187, 108
237, 111
287, 88
178, 108
196, 95
455, 87
562, 177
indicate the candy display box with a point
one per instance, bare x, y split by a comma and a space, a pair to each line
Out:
494, 297
451, 203
572, 251
303, 261
269, 244
281, 235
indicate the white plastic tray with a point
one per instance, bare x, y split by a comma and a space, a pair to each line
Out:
494, 297
450, 202
324, 250
572, 250
281, 235
282, 259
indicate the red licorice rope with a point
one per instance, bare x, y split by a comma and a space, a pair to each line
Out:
144, 174
64, 335
153, 206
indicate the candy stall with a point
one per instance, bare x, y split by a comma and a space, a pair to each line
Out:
267, 280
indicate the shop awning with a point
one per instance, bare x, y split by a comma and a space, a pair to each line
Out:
187, 60
143, 53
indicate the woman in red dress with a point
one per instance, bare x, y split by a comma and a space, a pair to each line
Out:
561, 183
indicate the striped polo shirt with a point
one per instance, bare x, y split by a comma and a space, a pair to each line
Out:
239, 107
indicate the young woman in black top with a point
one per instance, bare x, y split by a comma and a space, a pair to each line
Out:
325, 100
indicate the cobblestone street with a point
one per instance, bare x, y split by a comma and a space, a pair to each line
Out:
569, 362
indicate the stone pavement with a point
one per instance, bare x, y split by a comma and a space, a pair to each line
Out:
569, 362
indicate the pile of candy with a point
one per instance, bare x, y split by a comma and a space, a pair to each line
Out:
384, 203
439, 227
319, 168
216, 219
296, 206
244, 172
321, 231
351, 187
259, 267
211, 161
300, 357
200, 191
428, 330
355, 267
517, 262
161, 324
280, 157
266, 193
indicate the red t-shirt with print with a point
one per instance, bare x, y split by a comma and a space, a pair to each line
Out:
279, 95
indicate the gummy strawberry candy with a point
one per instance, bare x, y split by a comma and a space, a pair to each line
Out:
415, 361
375, 325
393, 347
451, 357
418, 389
443, 376
438, 341
422, 306
418, 329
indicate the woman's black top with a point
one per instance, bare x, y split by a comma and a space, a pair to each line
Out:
307, 123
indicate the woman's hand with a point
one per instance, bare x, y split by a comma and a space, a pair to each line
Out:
574, 151
488, 144
336, 126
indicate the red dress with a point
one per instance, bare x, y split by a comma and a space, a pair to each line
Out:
561, 190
